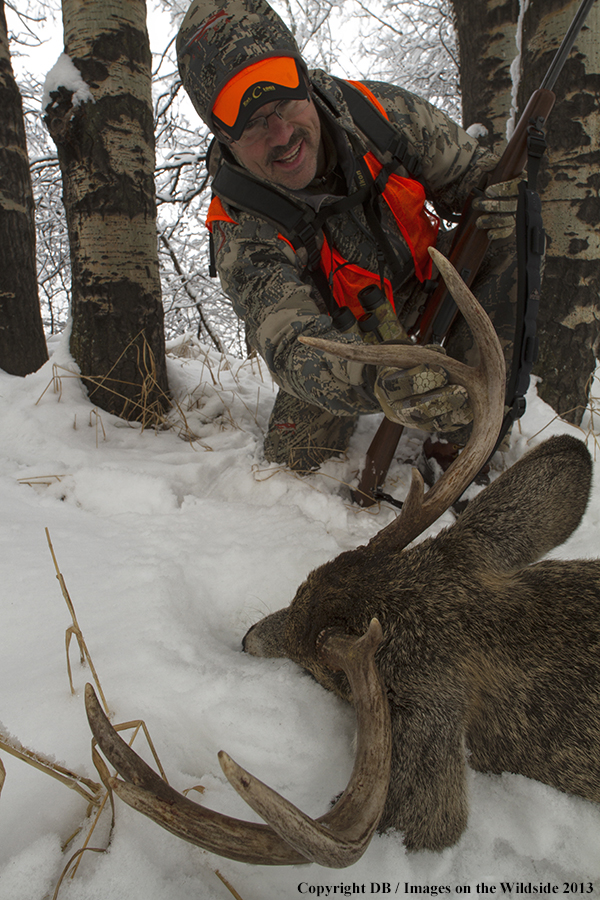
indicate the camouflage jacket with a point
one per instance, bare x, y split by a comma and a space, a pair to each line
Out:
263, 276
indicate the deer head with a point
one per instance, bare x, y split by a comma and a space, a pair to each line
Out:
432, 644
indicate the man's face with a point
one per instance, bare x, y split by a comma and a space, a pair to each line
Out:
289, 153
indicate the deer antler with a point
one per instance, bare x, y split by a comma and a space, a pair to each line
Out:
485, 385
336, 839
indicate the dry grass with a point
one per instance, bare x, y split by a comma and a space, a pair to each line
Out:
150, 408
154, 409
41, 480
76, 858
590, 431
153, 403
75, 631
88, 789
95, 795
149, 413
229, 887
209, 384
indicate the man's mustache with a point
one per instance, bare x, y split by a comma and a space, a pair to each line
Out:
277, 152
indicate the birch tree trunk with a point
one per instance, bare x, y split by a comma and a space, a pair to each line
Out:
487, 34
106, 153
22, 341
568, 323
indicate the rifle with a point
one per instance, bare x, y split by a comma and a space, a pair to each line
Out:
468, 249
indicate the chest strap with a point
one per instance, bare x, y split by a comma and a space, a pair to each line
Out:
298, 222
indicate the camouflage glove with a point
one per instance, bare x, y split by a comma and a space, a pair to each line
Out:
422, 398
499, 207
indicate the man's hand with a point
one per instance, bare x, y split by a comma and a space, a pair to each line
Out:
499, 207
422, 398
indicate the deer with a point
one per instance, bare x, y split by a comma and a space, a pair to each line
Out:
466, 648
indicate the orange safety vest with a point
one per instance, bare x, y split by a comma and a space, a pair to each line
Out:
417, 225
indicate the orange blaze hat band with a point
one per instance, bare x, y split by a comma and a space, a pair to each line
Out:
274, 78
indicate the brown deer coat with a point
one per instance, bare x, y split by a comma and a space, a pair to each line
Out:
486, 658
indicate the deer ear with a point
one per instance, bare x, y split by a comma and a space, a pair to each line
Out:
266, 638
531, 508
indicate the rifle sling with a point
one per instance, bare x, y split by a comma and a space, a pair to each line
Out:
379, 130
530, 251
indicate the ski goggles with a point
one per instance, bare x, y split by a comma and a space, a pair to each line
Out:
276, 78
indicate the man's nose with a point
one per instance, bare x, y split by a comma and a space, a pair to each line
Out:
280, 131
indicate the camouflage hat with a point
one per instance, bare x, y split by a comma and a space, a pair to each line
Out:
219, 38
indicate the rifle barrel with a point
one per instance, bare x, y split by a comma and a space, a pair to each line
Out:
566, 45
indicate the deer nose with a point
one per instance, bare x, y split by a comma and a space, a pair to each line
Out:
244, 640
251, 642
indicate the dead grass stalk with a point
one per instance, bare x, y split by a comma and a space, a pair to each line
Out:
75, 631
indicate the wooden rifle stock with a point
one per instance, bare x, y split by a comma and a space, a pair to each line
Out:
466, 255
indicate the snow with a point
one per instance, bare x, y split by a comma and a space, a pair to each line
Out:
171, 544
65, 74
515, 70
477, 130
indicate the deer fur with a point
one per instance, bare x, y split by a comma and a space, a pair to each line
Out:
489, 657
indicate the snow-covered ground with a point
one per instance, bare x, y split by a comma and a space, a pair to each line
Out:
170, 547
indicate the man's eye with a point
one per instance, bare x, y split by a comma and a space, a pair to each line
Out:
255, 125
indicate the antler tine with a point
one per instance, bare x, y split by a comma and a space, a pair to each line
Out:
340, 837
485, 385
336, 839
146, 791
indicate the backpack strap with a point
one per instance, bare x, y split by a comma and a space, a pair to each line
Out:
301, 225
296, 220
370, 116
379, 129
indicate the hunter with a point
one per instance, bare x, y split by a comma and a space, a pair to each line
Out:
324, 194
